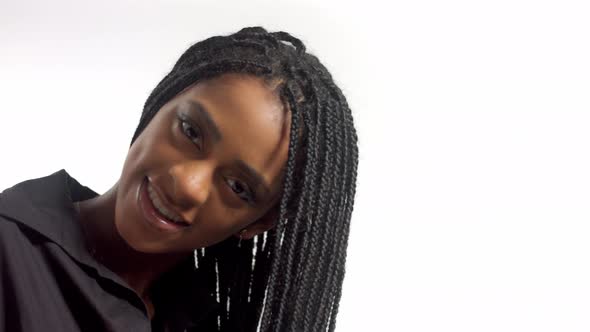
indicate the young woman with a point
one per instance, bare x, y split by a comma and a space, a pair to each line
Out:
231, 213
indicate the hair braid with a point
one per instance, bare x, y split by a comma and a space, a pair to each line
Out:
312, 175
327, 268
319, 197
275, 281
295, 244
350, 157
327, 238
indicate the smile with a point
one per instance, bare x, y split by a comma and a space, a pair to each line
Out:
155, 212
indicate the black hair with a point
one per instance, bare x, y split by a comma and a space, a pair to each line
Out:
289, 278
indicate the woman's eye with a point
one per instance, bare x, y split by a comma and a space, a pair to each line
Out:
241, 190
193, 133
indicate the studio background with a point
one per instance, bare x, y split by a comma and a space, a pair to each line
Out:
473, 199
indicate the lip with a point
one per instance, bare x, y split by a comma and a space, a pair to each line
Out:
151, 214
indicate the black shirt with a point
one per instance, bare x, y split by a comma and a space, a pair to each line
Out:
50, 282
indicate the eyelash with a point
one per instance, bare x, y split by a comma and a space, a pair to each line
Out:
249, 198
185, 126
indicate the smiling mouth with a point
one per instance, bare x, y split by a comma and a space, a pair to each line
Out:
155, 213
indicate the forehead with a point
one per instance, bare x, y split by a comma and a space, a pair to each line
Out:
252, 121
247, 96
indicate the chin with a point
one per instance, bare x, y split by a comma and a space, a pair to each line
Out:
135, 240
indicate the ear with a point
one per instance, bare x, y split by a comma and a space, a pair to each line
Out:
263, 224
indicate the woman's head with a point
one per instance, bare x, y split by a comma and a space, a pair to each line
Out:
294, 127
213, 158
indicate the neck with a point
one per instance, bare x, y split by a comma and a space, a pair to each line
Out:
138, 269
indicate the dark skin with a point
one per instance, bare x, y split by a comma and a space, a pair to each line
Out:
216, 156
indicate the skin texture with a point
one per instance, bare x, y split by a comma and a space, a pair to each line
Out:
197, 174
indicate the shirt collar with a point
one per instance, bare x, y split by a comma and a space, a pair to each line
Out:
46, 205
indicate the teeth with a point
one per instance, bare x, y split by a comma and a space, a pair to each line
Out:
161, 208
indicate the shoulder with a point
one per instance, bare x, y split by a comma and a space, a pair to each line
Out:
13, 237
9, 228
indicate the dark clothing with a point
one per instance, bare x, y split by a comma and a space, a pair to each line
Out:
50, 282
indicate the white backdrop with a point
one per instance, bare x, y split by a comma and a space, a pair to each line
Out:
473, 201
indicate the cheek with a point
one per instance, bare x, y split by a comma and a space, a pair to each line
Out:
221, 219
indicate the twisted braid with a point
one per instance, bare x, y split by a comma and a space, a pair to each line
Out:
289, 278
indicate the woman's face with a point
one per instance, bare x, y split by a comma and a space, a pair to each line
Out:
213, 156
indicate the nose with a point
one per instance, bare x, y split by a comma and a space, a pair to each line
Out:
192, 182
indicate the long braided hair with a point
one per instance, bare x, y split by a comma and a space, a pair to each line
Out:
289, 278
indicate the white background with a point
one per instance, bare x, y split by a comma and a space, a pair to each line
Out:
473, 199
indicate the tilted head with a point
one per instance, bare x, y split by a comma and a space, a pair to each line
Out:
289, 277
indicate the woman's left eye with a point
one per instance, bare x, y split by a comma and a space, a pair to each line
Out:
192, 132
241, 190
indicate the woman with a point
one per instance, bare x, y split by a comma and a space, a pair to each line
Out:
231, 213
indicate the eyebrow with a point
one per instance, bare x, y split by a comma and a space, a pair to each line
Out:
201, 111
253, 175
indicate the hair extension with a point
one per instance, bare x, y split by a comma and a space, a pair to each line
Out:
289, 278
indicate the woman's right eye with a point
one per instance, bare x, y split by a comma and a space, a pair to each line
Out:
192, 132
